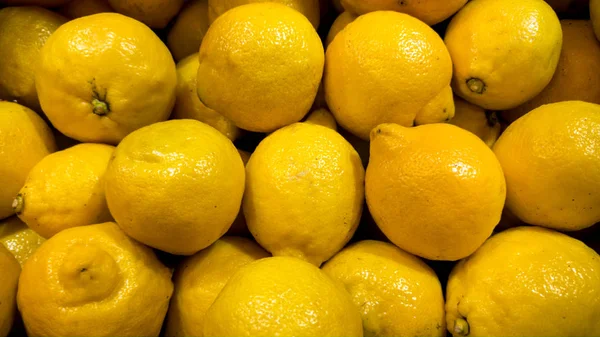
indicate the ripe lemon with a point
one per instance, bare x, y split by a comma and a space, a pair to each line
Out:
575, 77
338, 25
282, 296
526, 281
484, 124
436, 190
8, 289
65, 189
19, 239
94, 280
200, 278
154, 13
189, 106
595, 16
23, 32
397, 293
117, 78
188, 29
79, 8
504, 51
191, 178
260, 66
309, 8
304, 192
321, 117
24, 140
363, 86
551, 161
430, 12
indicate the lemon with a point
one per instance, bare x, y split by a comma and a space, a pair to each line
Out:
338, 25
154, 13
65, 189
551, 161
79, 8
363, 86
321, 117
23, 32
8, 289
526, 281
260, 66
24, 140
189, 106
436, 190
188, 29
484, 124
304, 192
239, 226
504, 51
94, 281
574, 78
397, 293
19, 239
118, 78
309, 8
430, 12
200, 278
191, 178
282, 296
595, 16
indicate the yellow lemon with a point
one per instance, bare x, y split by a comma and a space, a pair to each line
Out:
339, 24
430, 12
104, 75
19, 239
23, 32
575, 77
436, 190
504, 51
363, 86
79, 8
551, 161
260, 66
484, 124
24, 140
239, 226
94, 281
397, 293
188, 29
282, 296
189, 106
8, 290
309, 8
65, 189
200, 278
321, 117
526, 281
595, 16
191, 178
304, 192
154, 13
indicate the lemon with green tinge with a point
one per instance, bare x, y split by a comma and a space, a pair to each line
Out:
526, 281
8, 290
551, 161
19, 239
282, 296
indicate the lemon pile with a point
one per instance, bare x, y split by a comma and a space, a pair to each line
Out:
299, 168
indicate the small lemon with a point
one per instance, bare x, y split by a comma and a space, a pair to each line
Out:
154, 13
322, 117
19, 239
8, 290
79, 8
397, 293
24, 140
201, 277
65, 189
189, 106
551, 160
282, 296
526, 281
260, 66
595, 16
191, 178
23, 32
188, 29
363, 86
484, 124
436, 190
304, 192
504, 51
104, 75
430, 12
309, 8
338, 25
94, 281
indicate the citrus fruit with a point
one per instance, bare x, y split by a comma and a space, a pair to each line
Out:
430, 12
19, 239
188, 29
484, 124
154, 13
309, 8
8, 290
321, 117
340, 23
